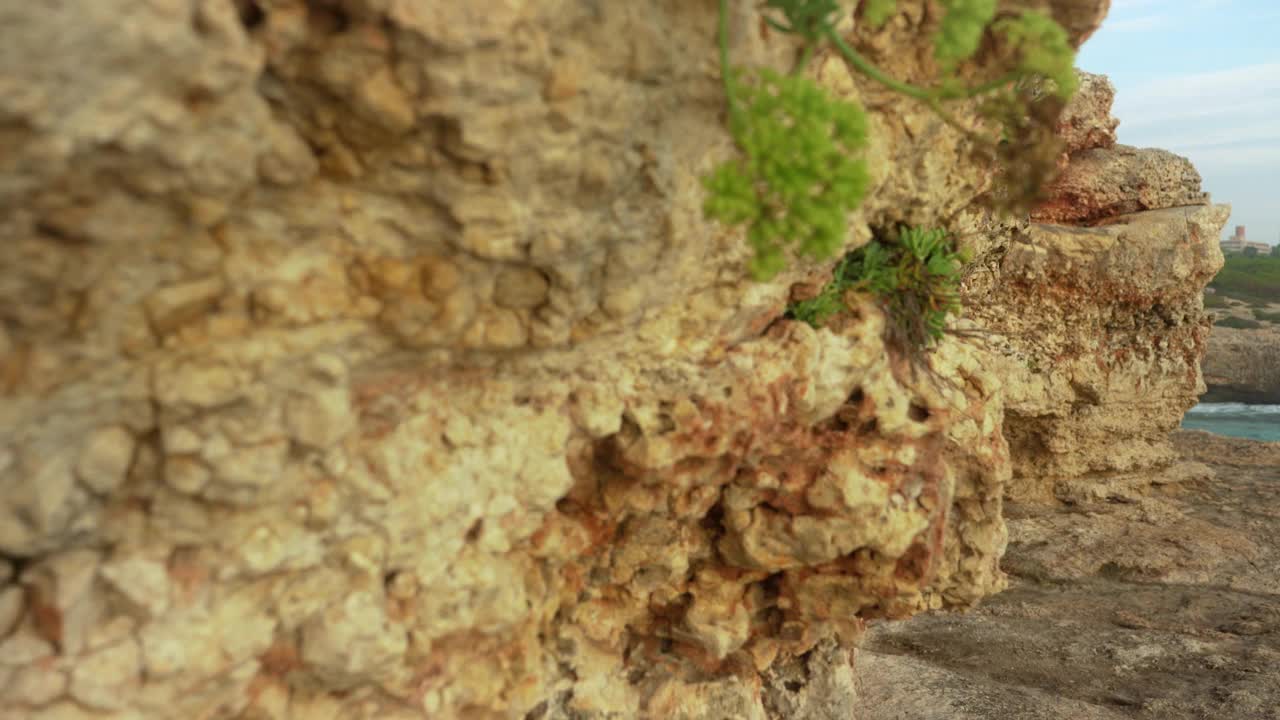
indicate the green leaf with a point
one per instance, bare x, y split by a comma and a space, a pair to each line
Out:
878, 12
730, 199
915, 277
961, 30
807, 18
801, 172
1043, 49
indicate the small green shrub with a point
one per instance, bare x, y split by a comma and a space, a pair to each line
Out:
914, 276
798, 177
800, 172
1266, 316
830, 300
1238, 323
1255, 280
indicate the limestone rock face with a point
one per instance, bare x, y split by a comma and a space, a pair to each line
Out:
1099, 326
1086, 123
1105, 182
372, 359
1080, 18
1242, 366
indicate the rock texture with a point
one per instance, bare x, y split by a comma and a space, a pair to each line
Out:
1159, 606
1098, 327
1242, 366
372, 359
1086, 123
1102, 183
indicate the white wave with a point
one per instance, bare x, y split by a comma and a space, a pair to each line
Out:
1233, 409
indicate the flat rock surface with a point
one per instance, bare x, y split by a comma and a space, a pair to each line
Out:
1161, 604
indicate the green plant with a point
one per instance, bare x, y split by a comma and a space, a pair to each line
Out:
830, 300
798, 178
1238, 322
799, 175
1266, 316
1213, 300
913, 275
877, 12
1254, 280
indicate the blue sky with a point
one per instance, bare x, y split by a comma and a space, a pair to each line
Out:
1202, 78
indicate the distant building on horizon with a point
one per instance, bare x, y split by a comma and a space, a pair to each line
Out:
1237, 243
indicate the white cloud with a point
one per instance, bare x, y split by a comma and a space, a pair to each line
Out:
1232, 106
1259, 132
1244, 81
1224, 121
1244, 156
1136, 114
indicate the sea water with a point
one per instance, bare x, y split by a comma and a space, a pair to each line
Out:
1257, 422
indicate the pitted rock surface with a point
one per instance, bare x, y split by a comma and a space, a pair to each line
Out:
1094, 313
373, 359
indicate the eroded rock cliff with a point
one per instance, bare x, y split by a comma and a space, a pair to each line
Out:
1094, 310
1148, 593
372, 359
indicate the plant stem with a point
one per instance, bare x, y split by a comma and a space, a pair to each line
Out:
989, 86
926, 95
932, 97
805, 55
866, 68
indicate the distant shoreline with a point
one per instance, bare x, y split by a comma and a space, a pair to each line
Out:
1246, 421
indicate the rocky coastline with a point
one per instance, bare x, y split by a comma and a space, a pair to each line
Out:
1142, 561
1243, 365
1153, 604
375, 360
